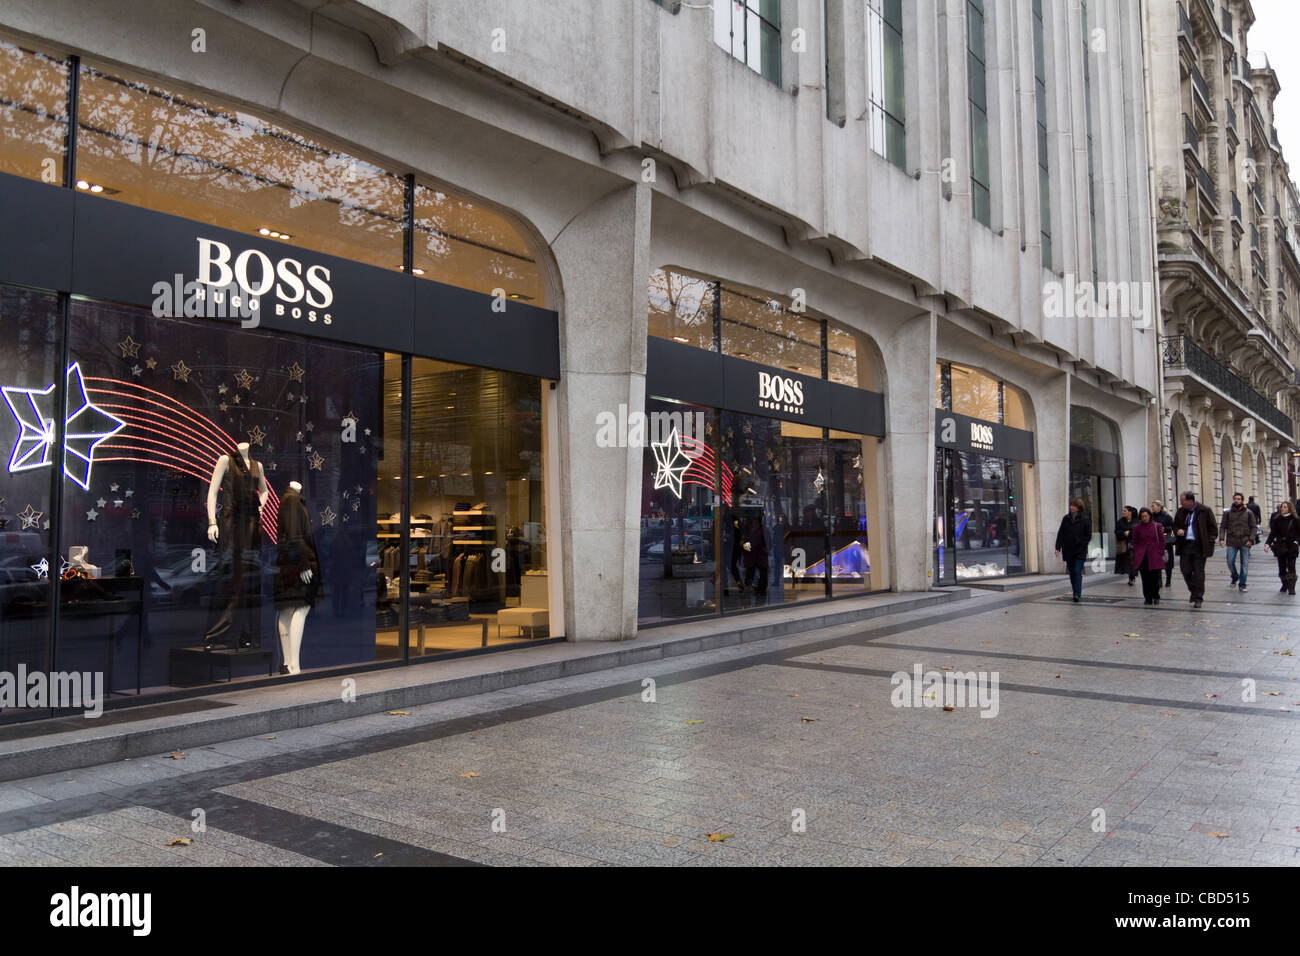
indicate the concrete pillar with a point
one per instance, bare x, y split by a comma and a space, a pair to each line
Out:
1052, 464
603, 259
909, 357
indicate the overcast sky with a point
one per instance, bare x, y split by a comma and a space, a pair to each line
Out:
1275, 33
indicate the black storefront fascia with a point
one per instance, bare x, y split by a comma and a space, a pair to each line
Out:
72, 243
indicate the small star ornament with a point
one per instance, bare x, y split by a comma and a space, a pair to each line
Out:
296, 372
181, 372
30, 517
315, 461
244, 380
129, 347
327, 517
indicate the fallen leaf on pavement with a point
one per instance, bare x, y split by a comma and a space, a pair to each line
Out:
399, 713
1132, 635
720, 837
808, 720
179, 755
1212, 696
377, 855
469, 773
1216, 833
1033, 751
180, 841
694, 721
794, 695
950, 708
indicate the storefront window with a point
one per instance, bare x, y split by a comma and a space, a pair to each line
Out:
477, 540
466, 244
185, 521
853, 466
33, 113
29, 323
200, 159
682, 307
763, 330
678, 546
777, 500
842, 357
976, 394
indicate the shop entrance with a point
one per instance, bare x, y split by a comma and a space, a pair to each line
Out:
977, 524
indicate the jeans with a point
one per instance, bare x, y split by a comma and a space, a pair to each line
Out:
1238, 556
1075, 567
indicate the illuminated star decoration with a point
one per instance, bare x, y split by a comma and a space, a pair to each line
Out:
672, 464
151, 363
256, 436
41, 569
86, 427
136, 370
92, 514
315, 461
130, 347
244, 380
31, 517
181, 372
327, 517
296, 372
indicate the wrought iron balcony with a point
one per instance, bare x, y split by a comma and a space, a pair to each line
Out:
1254, 238
1227, 22
1206, 182
1229, 112
1180, 352
1236, 209
1198, 84
1185, 25
1191, 140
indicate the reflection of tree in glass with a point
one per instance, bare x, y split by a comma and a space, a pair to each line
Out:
33, 105
686, 299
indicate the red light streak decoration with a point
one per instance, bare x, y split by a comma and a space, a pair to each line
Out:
188, 443
701, 470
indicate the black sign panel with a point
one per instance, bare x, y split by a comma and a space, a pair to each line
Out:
691, 374
35, 233
462, 326
1093, 461
72, 241
964, 433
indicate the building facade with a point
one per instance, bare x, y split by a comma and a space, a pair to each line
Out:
572, 317
1227, 258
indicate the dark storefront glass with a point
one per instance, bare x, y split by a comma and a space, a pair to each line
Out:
477, 545
678, 548
1094, 474
852, 466
775, 486
174, 398
29, 324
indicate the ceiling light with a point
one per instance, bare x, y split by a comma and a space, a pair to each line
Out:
274, 234
264, 231
487, 472
96, 188
680, 338
82, 184
418, 272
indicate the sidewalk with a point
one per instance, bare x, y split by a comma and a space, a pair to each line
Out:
45, 747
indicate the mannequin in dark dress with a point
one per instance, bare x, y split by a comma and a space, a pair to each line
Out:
237, 529
297, 577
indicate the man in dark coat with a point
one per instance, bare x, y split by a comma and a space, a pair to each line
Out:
1194, 532
1166, 521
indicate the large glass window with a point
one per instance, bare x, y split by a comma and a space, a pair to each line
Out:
224, 467
29, 375
885, 79
682, 308
193, 157
764, 330
477, 542
33, 113
750, 30
977, 92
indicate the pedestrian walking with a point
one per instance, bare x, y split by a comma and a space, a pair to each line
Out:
1072, 540
1238, 530
1254, 508
1284, 542
1148, 551
1195, 530
1124, 543
1166, 520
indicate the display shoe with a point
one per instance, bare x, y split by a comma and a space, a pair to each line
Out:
284, 668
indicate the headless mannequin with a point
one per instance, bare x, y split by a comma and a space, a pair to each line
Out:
214, 486
292, 620
241, 521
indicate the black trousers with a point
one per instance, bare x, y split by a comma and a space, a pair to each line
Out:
1169, 564
1286, 568
1192, 563
1150, 581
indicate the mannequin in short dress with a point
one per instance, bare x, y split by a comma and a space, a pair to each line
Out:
297, 579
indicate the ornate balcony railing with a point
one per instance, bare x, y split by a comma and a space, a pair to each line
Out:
1179, 351
1206, 182
1198, 84
1231, 114
1236, 208
1185, 24
1190, 137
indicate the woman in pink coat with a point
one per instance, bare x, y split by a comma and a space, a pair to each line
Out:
1147, 544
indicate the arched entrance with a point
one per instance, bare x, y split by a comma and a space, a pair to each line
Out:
1205, 470
1180, 471
1227, 472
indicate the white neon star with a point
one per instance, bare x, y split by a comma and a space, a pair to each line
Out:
31, 517
87, 426
672, 464
41, 568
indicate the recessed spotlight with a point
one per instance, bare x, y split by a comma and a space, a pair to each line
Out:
418, 272
264, 231
680, 338
82, 184
285, 235
419, 476
487, 472
451, 406
274, 234
96, 188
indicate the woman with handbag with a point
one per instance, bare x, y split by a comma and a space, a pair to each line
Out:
1148, 553
1284, 542
1124, 544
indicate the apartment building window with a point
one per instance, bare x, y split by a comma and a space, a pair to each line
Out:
885, 79
1087, 107
750, 30
1044, 176
977, 84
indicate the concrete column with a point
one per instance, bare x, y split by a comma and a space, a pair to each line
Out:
1052, 464
909, 357
603, 259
